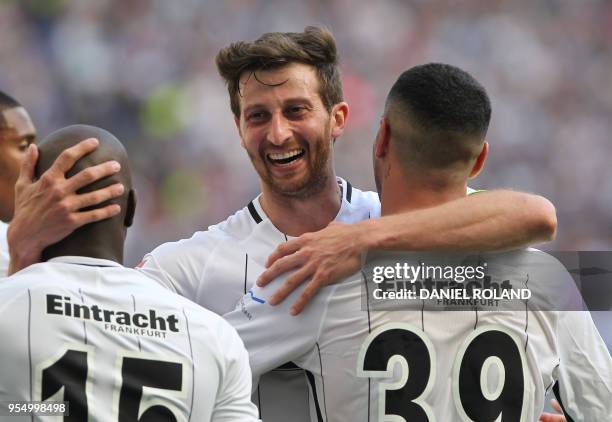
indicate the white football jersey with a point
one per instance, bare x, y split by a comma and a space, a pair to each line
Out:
216, 267
426, 365
117, 346
4, 250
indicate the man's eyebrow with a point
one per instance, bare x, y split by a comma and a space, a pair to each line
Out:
253, 107
292, 100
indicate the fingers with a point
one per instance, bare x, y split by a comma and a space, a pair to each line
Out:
86, 217
70, 156
92, 174
555, 405
289, 285
280, 266
309, 291
284, 249
97, 197
26, 172
547, 417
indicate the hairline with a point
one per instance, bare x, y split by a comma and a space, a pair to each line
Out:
274, 67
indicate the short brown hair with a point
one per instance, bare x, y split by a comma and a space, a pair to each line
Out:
315, 46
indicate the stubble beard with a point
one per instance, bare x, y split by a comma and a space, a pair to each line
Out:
313, 183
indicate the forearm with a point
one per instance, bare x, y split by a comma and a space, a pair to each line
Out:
493, 220
24, 251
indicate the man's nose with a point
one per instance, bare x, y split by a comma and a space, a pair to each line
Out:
280, 130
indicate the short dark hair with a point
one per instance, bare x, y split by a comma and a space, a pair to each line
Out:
315, 46
6, 102
448, 112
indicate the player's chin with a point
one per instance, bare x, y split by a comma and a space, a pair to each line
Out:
296, 185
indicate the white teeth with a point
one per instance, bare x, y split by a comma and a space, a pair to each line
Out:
285, 155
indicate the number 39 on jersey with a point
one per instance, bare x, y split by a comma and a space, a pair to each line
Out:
490, 377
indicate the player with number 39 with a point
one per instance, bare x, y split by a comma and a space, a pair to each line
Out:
428, 365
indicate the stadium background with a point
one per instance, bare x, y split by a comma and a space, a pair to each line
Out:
145, 71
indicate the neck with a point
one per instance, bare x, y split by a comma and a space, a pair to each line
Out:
402, 194
296, 216
107, 245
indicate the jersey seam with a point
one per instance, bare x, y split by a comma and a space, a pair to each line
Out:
324, 313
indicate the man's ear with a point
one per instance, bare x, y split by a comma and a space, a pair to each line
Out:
339, 114
237, 122
480, 160
131, 208
383, 137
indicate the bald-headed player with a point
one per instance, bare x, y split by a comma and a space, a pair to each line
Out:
16, 133
82, 328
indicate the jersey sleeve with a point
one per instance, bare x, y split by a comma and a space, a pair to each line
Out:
584, 385
179, 266
233, 402
270, 334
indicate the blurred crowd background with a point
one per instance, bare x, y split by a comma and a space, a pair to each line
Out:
144, 69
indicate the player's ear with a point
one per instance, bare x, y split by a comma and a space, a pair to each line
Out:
131, 209
339, 114
383, 136
237, 122
480, 160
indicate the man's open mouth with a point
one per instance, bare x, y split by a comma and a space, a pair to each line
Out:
286, 157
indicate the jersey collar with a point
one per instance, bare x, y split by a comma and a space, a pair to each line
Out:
85, 260
258, 215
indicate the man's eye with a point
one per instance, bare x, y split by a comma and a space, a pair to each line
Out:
256, 116
23, 145
296, 111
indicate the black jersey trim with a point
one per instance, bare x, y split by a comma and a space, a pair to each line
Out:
365, 283
254, 213
322, 379
288, 366
89, 265
246, 268
558, 396
84, 326
349, 192
526, 316
192, 364
30, 342
134, 307
423, 315
313, 387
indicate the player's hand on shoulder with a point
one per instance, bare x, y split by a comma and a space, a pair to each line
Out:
49, 209
321, 258
550, 417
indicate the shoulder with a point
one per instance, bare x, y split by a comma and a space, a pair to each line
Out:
34, 278
235, 228
357, 204
366, 200
206, 326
